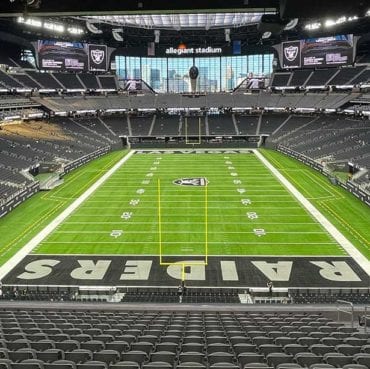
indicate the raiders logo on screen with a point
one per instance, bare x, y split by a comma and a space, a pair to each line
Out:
191, 181
97, 55
291, 52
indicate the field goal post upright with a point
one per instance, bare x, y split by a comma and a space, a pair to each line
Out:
160, 239
193, 140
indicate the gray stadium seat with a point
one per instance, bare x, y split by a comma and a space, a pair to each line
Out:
107, 356
220, 357
29, 364
92, 365
50, 355
79, 355
274, 359
348, 349
320, 349
248, 357
135, 356
306, 359
5, 364
193, 357
163, 356
337, 359
125, 365
61, 364
294, 348
157, 365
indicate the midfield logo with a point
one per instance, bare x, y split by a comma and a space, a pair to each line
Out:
191, 181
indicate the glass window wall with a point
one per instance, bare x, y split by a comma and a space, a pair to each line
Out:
215, 73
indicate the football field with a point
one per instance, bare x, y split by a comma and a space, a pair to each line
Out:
223, 204
217, 218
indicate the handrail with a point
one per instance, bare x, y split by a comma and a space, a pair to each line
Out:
344, 311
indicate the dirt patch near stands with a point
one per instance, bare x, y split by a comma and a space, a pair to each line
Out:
36, 130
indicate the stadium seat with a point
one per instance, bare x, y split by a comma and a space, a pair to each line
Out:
50, 355
107, 356
92, 365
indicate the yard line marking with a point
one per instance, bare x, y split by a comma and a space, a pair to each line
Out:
362, 261
277, 256
36, 240
193, 216
218, 223
256, 243
186, 232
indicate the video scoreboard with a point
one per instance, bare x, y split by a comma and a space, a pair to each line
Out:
71, 56
318, 52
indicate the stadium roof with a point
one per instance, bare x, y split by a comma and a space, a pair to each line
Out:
180, 21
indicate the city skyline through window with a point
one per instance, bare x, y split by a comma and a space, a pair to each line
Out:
216, 74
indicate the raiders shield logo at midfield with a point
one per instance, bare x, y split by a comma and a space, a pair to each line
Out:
199, 181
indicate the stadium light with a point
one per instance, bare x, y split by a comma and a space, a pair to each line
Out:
266, 35
368, 13
30, 22
54, 27
312, 26
75, 30
341, 20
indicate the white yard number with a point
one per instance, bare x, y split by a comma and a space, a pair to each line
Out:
153, 168
140, 191
237, 181
134, 202
228, 162
241, 190
234, 174
231, 168
259, 232
246, 201
149, 175
116, 233
126, 215
156, 163
252, 215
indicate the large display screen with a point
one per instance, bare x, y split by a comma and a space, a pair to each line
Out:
71, 56
318, 52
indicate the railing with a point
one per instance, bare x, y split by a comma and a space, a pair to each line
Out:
339, 310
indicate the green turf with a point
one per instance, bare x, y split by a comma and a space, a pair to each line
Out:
29, 218
290, 230
348, 214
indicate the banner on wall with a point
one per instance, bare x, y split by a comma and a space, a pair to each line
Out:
98, 58
292, 54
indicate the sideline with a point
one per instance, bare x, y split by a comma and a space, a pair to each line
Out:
352, 251
24, 251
